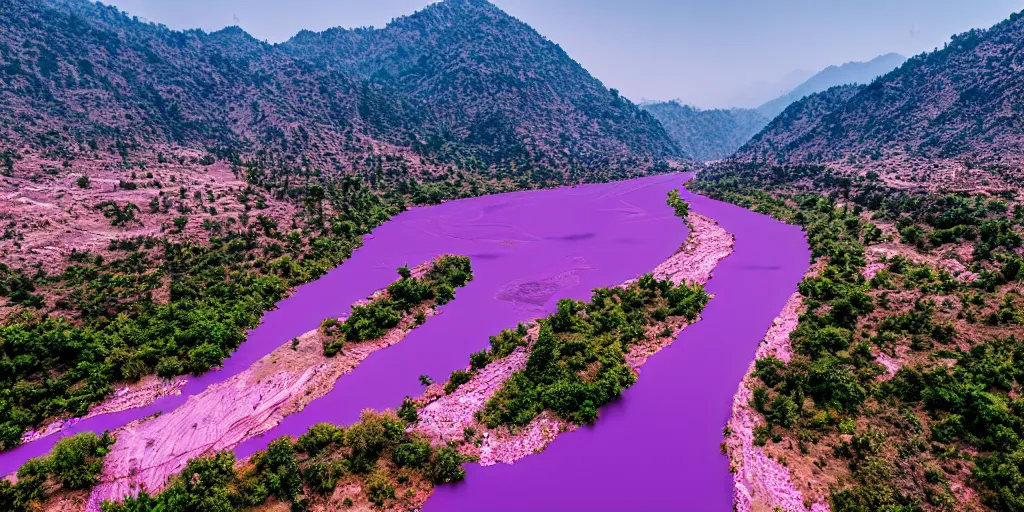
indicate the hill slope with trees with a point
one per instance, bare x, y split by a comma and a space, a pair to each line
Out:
960, 103
707, 134
492, 83
457, 83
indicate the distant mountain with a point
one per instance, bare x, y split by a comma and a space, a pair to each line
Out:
459, 82
753, 94
849, 73
961, 102
707, 134
715, 134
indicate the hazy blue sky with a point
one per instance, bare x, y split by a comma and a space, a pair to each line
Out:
710, 53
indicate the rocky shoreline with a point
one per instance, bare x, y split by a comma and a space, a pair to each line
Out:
129, 396
759, 481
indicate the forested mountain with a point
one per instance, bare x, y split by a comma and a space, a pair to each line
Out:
707, 134
843, 74
492, 83
793, 125
79, 76
962, 102
459, 82
717, 133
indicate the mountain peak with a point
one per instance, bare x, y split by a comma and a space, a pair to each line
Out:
459, 82
494, 75
465, 4
232, 31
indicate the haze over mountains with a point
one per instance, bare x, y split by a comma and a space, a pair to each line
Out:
961, 102
459, 82
717, 133
752, 95
843, 74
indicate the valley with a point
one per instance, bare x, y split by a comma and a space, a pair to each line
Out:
438, 265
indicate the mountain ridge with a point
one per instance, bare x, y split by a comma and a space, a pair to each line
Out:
957, 103
854, 72
714, 134
488, 88
81, 72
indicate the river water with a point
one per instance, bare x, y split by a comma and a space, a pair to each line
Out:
528, 250
656, 449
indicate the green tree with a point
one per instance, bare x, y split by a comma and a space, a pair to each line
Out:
447, 466
278, 468
408, 411
680, 207
321, 476
319, 437
180, 223
371, 437
412, 454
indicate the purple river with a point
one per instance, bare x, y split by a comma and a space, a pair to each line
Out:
655, 449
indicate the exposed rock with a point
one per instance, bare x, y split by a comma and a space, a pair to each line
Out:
129, 396
507, 447
705, 246
891, 365
446, 418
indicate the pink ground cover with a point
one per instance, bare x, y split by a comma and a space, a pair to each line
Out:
757, 478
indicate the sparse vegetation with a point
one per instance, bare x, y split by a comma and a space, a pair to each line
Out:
902, 439
216, 292
376, 453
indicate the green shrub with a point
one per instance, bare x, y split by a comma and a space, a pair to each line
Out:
447, 466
